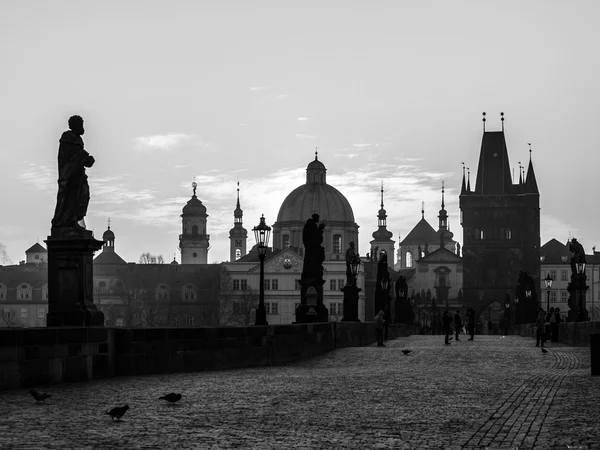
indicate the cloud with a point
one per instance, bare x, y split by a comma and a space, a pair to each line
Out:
180, 166
362, 145
258, 88
161, 141
346, 155
40, 176
302, 118
282, 96
306, 136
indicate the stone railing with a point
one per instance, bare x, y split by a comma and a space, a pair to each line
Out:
571, 333
41, 356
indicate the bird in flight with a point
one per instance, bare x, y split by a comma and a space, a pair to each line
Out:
39, 396
171, 397
117, 412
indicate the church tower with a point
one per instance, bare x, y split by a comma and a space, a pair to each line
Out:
194, 241
444, 232
238, 234
382, 238
501, 226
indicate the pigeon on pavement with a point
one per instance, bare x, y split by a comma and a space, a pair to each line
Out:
171, 397
406, 352
544, 350
39, 396
117, 412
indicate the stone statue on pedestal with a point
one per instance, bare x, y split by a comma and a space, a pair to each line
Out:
351, 257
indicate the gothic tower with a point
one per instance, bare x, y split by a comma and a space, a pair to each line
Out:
444, 233
193, 241
501, 227
382, 237
238, 234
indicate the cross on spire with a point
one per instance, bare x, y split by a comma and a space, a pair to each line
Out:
422, 210
316, 153
108, 223
381, 194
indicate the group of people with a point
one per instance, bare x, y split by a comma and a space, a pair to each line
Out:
448, 321
547, 326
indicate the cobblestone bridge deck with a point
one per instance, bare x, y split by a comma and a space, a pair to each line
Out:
491, 393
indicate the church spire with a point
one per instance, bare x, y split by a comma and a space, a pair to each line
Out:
468, 180
422, 210
238, 234
382, 238
463, 187
531, 186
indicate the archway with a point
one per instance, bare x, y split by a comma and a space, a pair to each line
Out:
490, 316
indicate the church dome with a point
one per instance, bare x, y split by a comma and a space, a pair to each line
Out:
108, 235
320, 198
194, 206
316, 165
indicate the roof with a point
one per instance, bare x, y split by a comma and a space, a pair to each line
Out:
194, 206
555, 252
252, 255
108, 257
34, 274
493, 171
421, 233
441, 254
36, 248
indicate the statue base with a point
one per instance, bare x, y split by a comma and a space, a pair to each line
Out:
351, 303
71, 278
311, 308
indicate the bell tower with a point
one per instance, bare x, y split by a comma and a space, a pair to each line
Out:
193, 240
238, 234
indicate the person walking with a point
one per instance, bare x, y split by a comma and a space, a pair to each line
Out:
457, 324
379, 321
471, 322
540, 322
446, 321
554, 324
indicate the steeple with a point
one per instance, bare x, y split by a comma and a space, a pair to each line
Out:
468, 180
194, 241
463, 187
382, 237
238, 235
443, 230
109, 239
316, 171
531, 186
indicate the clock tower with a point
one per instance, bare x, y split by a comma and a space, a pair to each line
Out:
238, 234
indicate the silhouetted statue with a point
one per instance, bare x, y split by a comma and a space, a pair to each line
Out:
578, 254
73, 189
351, 257
314, 253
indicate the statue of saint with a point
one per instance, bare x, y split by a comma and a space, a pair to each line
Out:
314, 253
73, 189
578, 254
351, 257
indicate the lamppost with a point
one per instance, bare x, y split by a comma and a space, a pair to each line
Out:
351, 292
261, 233
517, 319
581, 288
548, 281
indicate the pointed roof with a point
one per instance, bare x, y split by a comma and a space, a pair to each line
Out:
531, 186
442, 255
493, 171
555, 252
36, 248
421, 233
109, 257
463, 187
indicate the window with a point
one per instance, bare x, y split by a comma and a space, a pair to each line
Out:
409, 259
337, 243
507, 234
285, 239
24, 292
564, 296
272, 308
552, 296
275, 284
236, 285
297, 285
2, 292
41, 313
243, 284
341, 284
36, 257
45, 292
189, 292
564, 275
267, 284
552, 274
189, 320
23, 313
162, 292
238, 254
120, 322
332, 285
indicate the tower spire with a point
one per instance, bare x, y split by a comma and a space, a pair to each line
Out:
442, 195
520, 173
108, 223
238, 195
316, 153
502, 120
468, 180
381, 194
422, 210
483, 120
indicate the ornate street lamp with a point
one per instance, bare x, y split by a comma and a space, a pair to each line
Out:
354, 266
548, 281
262, 232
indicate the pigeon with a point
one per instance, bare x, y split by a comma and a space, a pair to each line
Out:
544, 350
117, 412
39, 396
406, 352
171, 397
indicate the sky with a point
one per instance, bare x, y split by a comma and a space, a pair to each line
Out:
389, 91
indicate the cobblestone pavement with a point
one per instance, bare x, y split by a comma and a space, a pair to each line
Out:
492, 392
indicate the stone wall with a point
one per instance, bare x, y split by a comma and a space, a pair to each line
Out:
571, 333
36, 357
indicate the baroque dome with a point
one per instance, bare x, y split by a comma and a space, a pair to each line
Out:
320, 198
194, 206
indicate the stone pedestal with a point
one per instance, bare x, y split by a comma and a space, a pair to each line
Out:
311, 308
351, 303
70, 279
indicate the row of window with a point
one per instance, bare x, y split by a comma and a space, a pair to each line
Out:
565, 275
272, 284
336, 242
24, 292
188, 321
491, 233
9, 314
